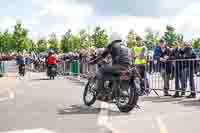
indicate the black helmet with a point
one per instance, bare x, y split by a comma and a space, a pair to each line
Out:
51, 51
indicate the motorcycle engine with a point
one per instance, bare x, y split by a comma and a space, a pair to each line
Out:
124, 84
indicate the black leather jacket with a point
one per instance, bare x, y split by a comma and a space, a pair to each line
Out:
121, 55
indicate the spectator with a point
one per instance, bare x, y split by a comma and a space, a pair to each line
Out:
165, 65
140, 54
156, 58
176, 55
188, 68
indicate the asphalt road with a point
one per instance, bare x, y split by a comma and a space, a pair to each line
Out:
44, 106
50, 105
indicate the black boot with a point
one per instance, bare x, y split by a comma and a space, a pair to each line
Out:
192, 95
183, 93
176, 95
166, 93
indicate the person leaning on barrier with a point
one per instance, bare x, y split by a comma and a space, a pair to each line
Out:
176, 56
165, 65
156, 58
189, 64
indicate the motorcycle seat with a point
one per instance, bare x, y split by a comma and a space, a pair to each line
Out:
121, 72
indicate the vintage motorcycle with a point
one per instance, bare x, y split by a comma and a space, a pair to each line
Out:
22, 70
123, 90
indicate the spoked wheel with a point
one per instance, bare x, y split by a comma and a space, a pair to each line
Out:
128, 99
89, 94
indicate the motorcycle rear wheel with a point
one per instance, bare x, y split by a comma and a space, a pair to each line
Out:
132, 101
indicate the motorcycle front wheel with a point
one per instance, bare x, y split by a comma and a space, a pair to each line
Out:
89, 89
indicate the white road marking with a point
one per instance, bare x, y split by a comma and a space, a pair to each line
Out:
40, 130
110, 127
4, 99
103, 115
10, 92
161, 125
103, 119
11, 95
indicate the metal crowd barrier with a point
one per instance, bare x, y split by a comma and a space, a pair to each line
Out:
175, 75
75, 68
181, 75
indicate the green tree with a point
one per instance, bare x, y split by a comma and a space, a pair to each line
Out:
196, 43
66, 45
131, 37
99, 37
170, 35
180, 38
6, 42
33, 46
1, 42
20, 36
84, 38
41, 45
151, 39
53, 42
76, 42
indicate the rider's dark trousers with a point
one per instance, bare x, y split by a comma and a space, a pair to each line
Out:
105, 73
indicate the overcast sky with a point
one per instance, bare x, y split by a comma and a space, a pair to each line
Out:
42, 17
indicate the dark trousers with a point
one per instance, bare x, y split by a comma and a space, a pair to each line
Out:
179, 82
143, 74
188, 74
106, 72
166, 78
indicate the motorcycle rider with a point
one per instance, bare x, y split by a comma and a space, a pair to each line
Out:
52, 59
122, 59
21, 61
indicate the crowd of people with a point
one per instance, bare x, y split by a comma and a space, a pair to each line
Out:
176, 61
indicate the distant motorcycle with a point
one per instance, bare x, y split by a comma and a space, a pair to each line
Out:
52, 71
22, 70
123, 90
